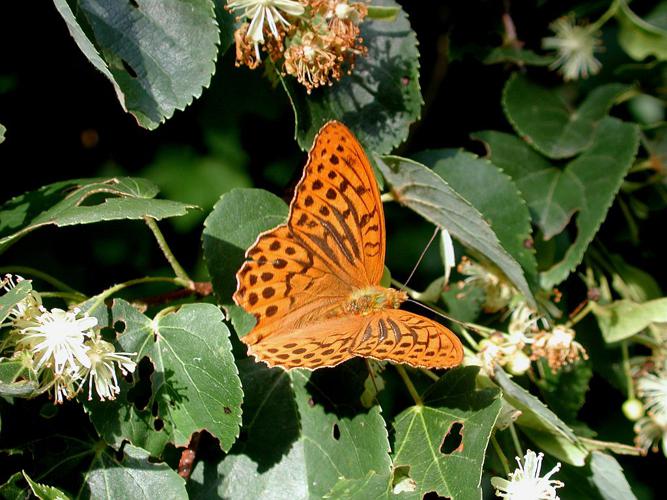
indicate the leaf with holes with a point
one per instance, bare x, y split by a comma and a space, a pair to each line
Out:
422, 190
157, 55
379, 100
132, 476
444, 440
494, 195
194, 385
83, 201
548, 123
303, 432
231, 228
587, 185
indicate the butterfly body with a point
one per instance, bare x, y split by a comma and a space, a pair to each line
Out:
313, 283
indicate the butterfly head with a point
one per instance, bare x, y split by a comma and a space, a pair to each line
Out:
367, 300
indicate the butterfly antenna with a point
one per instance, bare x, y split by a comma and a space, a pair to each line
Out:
421, 257
465, 325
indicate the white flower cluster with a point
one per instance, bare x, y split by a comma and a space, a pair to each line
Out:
652, 428
63, 350
525, 482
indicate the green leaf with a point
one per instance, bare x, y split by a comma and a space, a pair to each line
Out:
494, 195
423, 191
521, 57
565, 390
15, 379
10, 490
157, 55
423, 434
638, 38
601, 478
551, 125
43, 491
587, 185
623, 318
83, 201
232, 226
2, 133
134, 476
379, 100
540, 423
195, 385
12, 297
303, 432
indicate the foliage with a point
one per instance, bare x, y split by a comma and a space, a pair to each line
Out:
122, 370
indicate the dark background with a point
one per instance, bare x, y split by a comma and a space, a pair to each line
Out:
64, 121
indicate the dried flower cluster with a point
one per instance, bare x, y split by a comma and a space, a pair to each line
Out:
529, 336
315, 41
60, 350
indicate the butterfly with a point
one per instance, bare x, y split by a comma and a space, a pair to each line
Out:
313, 283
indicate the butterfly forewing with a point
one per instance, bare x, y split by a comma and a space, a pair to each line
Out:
337, 209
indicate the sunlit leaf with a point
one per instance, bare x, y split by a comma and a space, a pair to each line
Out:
425, 192
157, 55
638, 37
622, 319
444, 440
83, 201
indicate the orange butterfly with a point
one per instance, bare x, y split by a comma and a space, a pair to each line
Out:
313, 284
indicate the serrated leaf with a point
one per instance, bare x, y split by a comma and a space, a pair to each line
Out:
157, 55
231, 228
494, 195
13, 296
622, 319
303, 432
83, 201
195, 385
587, 185
379, 100
43, 491
134, 476
422, 432
540, 423
639, 38
548, 123
425, 192
521, 57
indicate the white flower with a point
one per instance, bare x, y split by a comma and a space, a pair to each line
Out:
525, 482
102, 373
653, 390
56, 339
649, 433
575, 46
269, 11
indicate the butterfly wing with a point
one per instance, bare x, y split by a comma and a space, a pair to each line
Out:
333, 241
392, 335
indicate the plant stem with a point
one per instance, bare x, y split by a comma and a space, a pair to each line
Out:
429, 374
626, 369
101, 297
169, 255
408, 383
609, 13
501, 455
580, 315
515, 440
41, 275
66, 296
